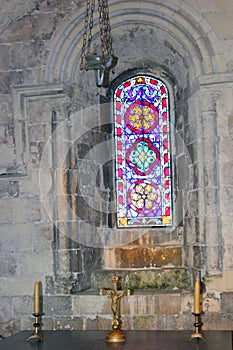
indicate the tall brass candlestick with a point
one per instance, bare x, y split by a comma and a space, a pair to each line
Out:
197, 310
36, 335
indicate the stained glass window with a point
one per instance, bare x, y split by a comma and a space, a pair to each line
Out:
143, 157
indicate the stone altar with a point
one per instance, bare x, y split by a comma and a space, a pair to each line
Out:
135, 340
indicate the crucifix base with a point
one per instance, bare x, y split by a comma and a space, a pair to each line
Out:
115, 336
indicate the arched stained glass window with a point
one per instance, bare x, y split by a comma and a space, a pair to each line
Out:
143, 156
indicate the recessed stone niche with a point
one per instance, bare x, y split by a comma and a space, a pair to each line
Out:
156, 260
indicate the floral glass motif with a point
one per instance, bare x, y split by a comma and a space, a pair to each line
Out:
143, 165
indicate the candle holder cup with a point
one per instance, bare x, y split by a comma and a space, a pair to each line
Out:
198, 325
36, 336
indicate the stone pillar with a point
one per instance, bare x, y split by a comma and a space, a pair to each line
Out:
209, 242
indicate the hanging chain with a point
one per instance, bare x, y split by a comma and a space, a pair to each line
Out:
83, 51
104, 27
91, 25
87, 35
108, 36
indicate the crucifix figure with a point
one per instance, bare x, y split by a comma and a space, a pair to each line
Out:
115, 294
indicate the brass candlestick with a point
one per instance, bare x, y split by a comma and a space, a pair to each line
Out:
198, 309
36, 335
116, 335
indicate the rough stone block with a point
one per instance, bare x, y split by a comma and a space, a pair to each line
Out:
57, 305
136, 257
91, 305
6, 309
68, 323
4, 57
7, 156
179, 322
168, 303
20, 31
217, 322
26, 209
155, 322
91, 323
22, 305
9, 189
9, 264
104, 323
28, 263
22, 56
227, 302
9, 238
43, 25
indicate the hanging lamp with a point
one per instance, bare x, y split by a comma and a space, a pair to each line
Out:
99, 59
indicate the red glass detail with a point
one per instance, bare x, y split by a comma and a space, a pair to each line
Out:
166, 171
165, 158
118, 118
120, 199
119, 132
118, 105
165, 144
119, 146
118, 93
166, 184
119, 159
167, 211
162, 89
120, 186
164, 102
153, 82
164, 116
120, 173
128, 83
165, 129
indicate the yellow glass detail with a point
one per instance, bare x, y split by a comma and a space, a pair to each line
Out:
166, 220
123, 221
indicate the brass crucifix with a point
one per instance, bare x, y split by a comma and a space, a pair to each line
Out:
115, 294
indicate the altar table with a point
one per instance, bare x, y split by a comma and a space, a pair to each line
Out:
135, 340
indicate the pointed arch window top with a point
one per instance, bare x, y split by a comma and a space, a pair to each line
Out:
143, 156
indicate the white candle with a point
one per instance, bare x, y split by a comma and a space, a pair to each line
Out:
197, 297
37, 289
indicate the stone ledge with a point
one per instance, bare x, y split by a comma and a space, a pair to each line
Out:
146, 279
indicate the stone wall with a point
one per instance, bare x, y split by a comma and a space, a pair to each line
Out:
56, 178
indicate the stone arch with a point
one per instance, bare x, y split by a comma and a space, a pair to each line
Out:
184, 29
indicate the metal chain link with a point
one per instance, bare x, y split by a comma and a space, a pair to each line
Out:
87, 35
104, 27
108, 36
101, 25
83, 52
91, 25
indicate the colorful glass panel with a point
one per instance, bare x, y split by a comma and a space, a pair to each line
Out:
143, 159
